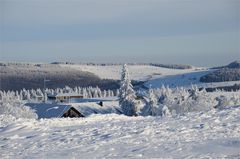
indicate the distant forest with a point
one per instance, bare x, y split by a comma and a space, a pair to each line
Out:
222, 75
30, 76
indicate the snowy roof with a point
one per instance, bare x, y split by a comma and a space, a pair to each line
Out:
44, 110
89, 108
64, 95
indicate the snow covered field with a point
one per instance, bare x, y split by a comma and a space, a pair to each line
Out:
137, 72
199, 124
186, 80
154, 76
213, 134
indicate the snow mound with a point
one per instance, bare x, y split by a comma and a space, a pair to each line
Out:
16, 109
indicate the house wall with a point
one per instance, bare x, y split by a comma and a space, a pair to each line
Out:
72, 113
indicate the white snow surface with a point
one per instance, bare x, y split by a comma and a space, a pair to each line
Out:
154, 76
136, 72
212, 134
186, 80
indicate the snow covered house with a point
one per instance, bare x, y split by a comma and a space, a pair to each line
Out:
39, 98
44, 110
89, 108
64, 96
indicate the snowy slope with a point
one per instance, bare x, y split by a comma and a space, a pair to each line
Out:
154, 76
213, 134
177, 80
186, 80
137, 72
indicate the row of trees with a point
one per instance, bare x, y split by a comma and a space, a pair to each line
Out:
222, 75
165, 101
38, 94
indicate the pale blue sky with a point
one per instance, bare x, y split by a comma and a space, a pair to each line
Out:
197, 32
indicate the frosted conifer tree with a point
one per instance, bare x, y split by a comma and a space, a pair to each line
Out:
104, 94
99, 92
165, 111
109, 93
222, 102
28, 95
117, 92
75, 90
127, 94
95, 94
153, 103
85, 93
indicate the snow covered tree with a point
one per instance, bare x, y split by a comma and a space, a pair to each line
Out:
235, 99
95, 93
117, 93
200, 100
98, 91
104, 94
153, 104
222, 102
75, 90
85, 93
16, 109
89, 92
28, 95
127, 94
165, 111
111, 94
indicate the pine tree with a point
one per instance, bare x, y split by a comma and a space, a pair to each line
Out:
104, 94
165, 111
109, 93
127, 94
28, 95
95, 94
153, 104
85, 93
117, 93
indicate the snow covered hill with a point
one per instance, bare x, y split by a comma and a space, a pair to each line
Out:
213, 134
137, 72
186, 80
153, 76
